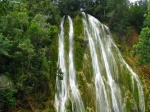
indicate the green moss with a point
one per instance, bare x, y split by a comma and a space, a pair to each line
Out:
79, 40
84, 70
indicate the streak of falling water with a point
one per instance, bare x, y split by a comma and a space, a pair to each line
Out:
105, 54
102, 101
61, 85
77, 104
109, 68
134, 78
116, 99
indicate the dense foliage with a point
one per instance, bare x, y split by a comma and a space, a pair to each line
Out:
119, 15
143, 47
25, 39
29, 28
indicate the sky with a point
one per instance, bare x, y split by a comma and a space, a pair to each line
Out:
132, 0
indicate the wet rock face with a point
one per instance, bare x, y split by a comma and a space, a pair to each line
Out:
97, 77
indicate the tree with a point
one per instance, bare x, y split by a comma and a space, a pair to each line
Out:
96, 8
7, 93
25, 41
136, 13
118, 16
143, 47
147, 16
5, 48
69, 7
4, 5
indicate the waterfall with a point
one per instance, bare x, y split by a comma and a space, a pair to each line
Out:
63, 92
116, 87
134, 78
61, 85
101, 95
77, 104
102, 45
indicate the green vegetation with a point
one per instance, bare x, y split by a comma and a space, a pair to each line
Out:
25, 39
143, 47
119, 15
29, 44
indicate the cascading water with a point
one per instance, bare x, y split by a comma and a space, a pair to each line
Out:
77, 104
116, 88
101, 95
61, 85
95, 41
102, 45
134, 78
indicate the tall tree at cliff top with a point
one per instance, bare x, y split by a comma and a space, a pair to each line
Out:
143, 47
136, 13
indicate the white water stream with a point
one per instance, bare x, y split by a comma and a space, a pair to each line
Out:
61, 85
111, 73
77, 104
